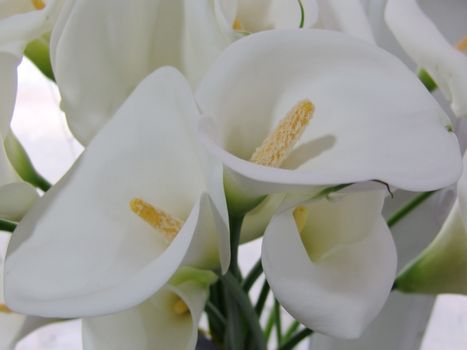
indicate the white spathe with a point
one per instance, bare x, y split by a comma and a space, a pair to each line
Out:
152, 325
257, 15
20, 22
335, 275
250, 16
13, 326
91, 254
16, 197
101, 51
426, 45
442, 266
373, 119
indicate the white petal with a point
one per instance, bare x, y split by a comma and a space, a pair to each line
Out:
152, 325
255, 221
343, 291
261, 15
22, 27
8, 85
442, 266
16, 199
95, 76
347, 16
13, 326
373, 118
462, 191
91, 253
425, 44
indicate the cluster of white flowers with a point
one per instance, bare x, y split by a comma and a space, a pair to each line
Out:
212, 122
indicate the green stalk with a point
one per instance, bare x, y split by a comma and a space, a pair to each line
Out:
214, 314
427, 80
302, 14
408, 207
234, 335
252, 276
297, 338
291, 330
263, 295
278, 321
243, 301
6, 225
235, 227
269, 325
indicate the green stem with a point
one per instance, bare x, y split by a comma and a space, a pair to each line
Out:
216, 299
234, 336
215, 315
278, 321
302, 14
291, 330
263, 295
427, 80
244, 304
252, 276
407, 208
235, 227
269, 325
297, 338
6, 225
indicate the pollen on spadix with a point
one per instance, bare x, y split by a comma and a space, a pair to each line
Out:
38, 4
5, 309
300, 215
462, 44
163, 222
237, 25
180, 307
277, 146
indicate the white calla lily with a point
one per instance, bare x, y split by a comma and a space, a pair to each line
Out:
16, 197
250, 16
138, 183
20, 22
13, 326
167, 320
372, 119
427, 46
137, 37
442, 266
332, 268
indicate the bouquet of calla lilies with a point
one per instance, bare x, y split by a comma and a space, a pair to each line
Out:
211, 123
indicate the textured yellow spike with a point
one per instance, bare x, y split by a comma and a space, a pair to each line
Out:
277, 146
462, 44
237, 25
300, 215
4, 309
180, 307
157, 218
38, 4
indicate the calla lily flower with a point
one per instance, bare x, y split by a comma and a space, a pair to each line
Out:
427, 46
16, 197
13, 326
442, 266
369, 117
167, 320
331, 263
20, 22
137, 37
137, 205
250, 16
